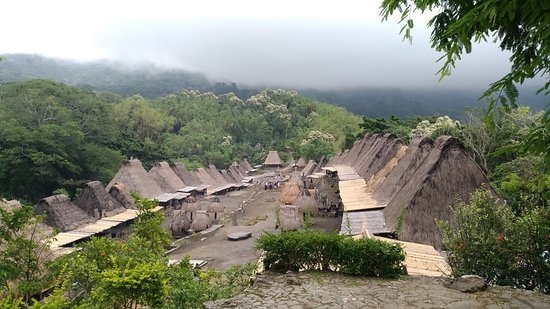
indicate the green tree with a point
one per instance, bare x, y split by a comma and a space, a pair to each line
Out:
23, 254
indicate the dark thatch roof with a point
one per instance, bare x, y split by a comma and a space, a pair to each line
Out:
307, 202
308, 169
165, 177
96, 202
445, 174
273, 159
179, 223
135, 178
61, 213
120, 193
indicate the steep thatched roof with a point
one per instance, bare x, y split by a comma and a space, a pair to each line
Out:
201, 221
204, 177
191, 207
188, 178
445, 174
273, 159
228, 178
120, 193
216, 175
245, 166
165, 177
308, 169
416, 153
135, 178
62, 213
96, 202
235, 173
290, 218
301, 163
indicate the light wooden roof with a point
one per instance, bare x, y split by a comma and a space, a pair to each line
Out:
66, 238
355, 196
422, 260
370, 222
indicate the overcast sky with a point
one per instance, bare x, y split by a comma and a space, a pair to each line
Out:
320, 44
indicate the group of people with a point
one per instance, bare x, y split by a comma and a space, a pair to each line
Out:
272, 185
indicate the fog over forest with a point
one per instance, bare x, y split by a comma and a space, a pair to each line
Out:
318, 44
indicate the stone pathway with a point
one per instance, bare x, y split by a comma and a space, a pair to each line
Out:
330, 290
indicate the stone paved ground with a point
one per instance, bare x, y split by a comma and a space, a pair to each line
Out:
330, 290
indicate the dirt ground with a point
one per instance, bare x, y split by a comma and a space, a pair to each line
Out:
258, 215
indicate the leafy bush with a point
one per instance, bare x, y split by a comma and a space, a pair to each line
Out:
190, 288
314, 250
370, 257
485, 238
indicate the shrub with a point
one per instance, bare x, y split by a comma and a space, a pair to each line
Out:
485, 238
315, 250
370, 257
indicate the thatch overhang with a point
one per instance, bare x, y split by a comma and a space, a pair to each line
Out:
61, 213
96, 202
120, 193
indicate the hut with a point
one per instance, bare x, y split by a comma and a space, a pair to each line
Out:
61, 213
165, 177
201, 221
445, 174
188, 178
191, 209
135, 178
179, 224
205, 178
306, 202
120, 193
273, 160
96, 202
289, 193
290, 218
215, 207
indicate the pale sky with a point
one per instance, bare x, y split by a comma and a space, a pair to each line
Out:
322, 44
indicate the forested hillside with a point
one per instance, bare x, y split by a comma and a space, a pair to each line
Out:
57, 137
151, 82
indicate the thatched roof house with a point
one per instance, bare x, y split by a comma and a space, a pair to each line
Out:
308, 169
61, 213
179, 224
216, 175
201, 221
245, 166
188, 178
135, 178
306, 202
445, 174
96, 202
290, 218
120, 193
165, 177
204, 177
273, 159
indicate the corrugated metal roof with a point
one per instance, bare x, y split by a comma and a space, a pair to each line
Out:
371, 221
